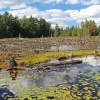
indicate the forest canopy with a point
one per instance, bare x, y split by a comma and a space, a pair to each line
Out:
31, 27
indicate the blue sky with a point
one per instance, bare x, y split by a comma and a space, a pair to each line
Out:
65, 13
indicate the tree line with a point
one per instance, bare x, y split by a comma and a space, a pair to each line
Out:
86, 28
12, 26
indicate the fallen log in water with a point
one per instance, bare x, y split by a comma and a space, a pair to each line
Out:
44, 65
72, 62
20, 68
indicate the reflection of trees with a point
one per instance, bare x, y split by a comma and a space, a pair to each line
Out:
5, 93
13, 74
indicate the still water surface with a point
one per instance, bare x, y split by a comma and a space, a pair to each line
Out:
86, 74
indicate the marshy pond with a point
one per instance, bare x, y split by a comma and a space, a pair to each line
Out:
72, 82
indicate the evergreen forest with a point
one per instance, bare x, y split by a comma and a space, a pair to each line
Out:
12, 26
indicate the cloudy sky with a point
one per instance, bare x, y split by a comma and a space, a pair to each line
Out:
62, 12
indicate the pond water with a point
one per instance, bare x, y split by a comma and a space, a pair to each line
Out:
84, 78
63, 48
74, 47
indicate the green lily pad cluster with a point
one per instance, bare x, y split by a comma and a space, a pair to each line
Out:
87, 88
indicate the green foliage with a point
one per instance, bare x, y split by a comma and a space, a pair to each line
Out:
86, 28
89, 28
57, 30
11, 26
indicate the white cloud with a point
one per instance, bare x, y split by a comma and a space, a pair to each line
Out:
12, 3
58, 16
89, 12
55, 16
55, 12
9, 3
28, 11
18, 6
89, 2
84, 2
72, 1
49, 1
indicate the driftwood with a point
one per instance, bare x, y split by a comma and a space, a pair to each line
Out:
72, 62
44, 66
19, 68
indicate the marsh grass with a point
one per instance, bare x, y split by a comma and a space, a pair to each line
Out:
83, 53
4, 60
76, 53
33, 59
44, 57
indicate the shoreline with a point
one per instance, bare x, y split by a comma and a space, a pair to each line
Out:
29, 50
33, 59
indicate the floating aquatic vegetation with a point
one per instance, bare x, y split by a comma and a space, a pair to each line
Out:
98, 93
86, 88
85, 85
79, 93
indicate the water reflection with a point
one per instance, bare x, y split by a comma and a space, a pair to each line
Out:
5, 93
13, 74
72, 47
63, 48
57, 75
